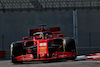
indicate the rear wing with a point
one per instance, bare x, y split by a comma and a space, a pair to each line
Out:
53, 30
32, 31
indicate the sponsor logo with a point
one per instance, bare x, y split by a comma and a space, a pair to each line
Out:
42, 47
27, 58
43, 44
61, 55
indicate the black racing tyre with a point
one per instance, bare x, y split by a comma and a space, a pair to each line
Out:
71, 47
17, 49
14, 60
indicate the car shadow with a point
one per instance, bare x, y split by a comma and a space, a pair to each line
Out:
44, 62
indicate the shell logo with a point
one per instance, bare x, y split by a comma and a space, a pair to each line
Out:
42, 47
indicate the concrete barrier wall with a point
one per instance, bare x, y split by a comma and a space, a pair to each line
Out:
89, 28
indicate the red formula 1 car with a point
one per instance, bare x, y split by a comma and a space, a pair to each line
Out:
44, 44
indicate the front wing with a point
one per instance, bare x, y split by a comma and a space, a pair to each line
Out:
55, 55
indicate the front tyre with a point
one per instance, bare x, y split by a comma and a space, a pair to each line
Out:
71, 47
16, 50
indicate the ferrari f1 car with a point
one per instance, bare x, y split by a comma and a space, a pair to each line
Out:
44, 44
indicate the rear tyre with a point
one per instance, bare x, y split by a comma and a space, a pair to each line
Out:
71, 47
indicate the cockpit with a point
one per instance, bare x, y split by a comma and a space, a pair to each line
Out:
43, 35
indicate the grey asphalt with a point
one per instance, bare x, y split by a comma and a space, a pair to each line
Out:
7, 63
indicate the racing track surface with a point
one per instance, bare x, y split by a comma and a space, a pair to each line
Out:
69, 63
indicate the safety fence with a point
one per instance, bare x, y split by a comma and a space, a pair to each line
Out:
46, 4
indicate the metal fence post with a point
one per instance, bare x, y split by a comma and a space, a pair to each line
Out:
75, 26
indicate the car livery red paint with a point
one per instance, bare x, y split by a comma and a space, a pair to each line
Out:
44, 44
